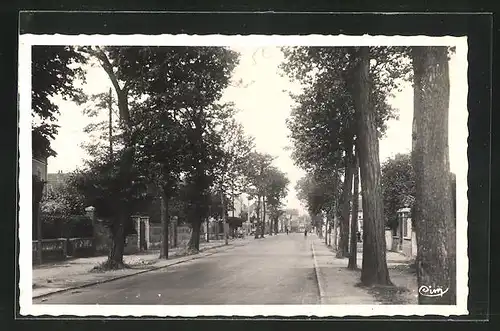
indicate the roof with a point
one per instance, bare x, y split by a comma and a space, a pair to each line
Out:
404, 210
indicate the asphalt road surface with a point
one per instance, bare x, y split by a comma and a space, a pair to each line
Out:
275, 270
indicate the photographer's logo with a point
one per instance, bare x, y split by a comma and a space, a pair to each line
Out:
432, 292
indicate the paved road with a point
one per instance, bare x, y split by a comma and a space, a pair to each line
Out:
274, 270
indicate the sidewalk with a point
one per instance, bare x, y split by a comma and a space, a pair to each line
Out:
340, 285
337, 284
72, 274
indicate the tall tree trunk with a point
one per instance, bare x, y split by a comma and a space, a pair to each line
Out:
346, 202
164, 225
224, 216
374, 266
319, 226
110, 124
194, 241
336, 221
433, 211
257, 226
263, 216
196, 220
271, 223
115, 257
330, 222
326, 232
353, 264
208, 221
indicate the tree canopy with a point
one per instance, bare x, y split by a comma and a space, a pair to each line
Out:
55, 71
398, 186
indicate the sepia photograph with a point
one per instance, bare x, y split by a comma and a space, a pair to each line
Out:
182, 175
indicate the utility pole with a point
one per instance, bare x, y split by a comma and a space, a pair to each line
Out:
110, 124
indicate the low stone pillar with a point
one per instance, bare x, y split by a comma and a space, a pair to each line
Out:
413, 243
388, 239
137, 223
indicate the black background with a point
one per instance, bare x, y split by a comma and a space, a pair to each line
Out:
477, 26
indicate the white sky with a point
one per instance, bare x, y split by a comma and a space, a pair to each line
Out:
265, 105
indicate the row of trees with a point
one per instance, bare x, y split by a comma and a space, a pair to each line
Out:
269, 186
173, 139
337, 122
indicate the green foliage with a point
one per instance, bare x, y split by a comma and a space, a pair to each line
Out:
276, 190
63, 200
255, 172
184, 77
69, 226
101, 184
319, 192
236, 149
398, 186
323, 120
171, 116
55, 69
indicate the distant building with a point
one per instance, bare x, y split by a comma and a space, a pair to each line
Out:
56, 180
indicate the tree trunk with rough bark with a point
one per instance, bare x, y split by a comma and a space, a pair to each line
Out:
257, 225
343, 249
164, 225
335, 231
194, 242
326, 232
115, 256
263, 216
374, 266
330, 222
353, 263
433, 211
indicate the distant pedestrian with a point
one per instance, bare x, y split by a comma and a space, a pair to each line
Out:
305, 233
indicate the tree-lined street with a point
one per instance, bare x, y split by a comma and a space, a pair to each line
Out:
277, 270
179, 150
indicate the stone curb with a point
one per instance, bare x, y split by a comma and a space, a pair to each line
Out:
103, 281
318, 276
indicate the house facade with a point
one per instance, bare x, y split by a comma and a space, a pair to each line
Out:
39, 168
